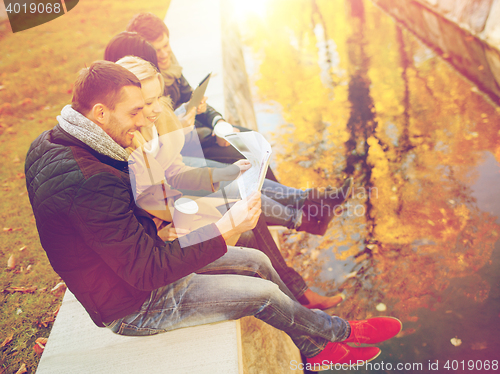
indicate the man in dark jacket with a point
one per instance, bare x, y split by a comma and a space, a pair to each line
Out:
109, 254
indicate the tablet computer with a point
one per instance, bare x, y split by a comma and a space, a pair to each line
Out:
198, 93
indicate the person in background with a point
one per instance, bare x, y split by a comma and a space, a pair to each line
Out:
154, 30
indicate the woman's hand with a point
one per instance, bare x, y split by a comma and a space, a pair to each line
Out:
202, 108
187, 119
231, 172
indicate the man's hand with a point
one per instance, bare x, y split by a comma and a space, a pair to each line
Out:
231, 172
202, 108
242, 216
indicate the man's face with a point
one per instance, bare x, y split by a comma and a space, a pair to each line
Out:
127, 117
162, 47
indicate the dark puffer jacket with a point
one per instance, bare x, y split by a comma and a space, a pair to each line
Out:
102, 245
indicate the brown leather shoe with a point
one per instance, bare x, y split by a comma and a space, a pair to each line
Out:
320, 206
331, 196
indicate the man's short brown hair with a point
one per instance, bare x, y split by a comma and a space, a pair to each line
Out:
101, 82
148, 25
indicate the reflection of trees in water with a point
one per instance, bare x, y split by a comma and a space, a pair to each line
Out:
401, 123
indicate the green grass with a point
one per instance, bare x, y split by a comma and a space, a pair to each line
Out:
37, 69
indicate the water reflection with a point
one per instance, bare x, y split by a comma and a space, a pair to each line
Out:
361, 97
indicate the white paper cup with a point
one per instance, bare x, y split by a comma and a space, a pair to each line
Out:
185, 212
221, 129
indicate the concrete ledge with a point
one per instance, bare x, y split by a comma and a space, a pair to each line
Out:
77, 346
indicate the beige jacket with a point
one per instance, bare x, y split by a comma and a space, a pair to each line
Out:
157, 169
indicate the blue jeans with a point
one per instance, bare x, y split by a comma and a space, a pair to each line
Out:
241, 283
260, 238
281, 205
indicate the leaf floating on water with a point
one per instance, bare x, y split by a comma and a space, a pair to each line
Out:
351, 275
405, 332
381, 307
314, 254
456, 342
479, 346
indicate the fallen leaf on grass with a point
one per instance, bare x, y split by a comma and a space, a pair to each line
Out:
11, 263
46, 322
22, 369
7, 340
22, 248
61, 286
40, 345
20, 289
11, 229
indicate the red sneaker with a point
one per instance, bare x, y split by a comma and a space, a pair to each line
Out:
338, 353
373, 330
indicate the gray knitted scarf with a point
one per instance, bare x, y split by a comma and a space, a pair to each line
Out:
83, 129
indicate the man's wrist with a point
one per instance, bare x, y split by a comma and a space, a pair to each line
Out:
226, 230
216, 120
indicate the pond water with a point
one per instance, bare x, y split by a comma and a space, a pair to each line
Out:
341, 90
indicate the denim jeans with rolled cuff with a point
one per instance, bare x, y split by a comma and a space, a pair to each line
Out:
241, 283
